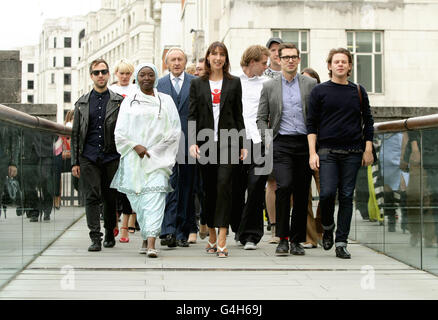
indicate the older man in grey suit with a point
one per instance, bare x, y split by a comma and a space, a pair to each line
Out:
283, 108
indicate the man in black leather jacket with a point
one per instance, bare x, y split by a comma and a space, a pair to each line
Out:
94, 156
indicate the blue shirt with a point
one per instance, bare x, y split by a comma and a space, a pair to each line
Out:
95, 140
292, 119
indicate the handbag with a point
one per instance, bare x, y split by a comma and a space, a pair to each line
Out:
11, 192
362, 124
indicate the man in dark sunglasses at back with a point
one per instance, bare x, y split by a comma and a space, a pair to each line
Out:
94, 157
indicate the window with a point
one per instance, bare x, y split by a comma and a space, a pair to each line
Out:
367, 50
67, 61
54, 42
30, 98
54, 62
67, 42
52, 78
298, 37
67, 96
67, 78
30, 67
30, 84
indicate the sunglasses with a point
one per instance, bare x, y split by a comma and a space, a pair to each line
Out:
96, 72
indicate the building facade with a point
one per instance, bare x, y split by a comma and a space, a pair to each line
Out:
393, 48
29, 71
136, 30
58, 57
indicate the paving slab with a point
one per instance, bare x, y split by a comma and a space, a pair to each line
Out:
66, 270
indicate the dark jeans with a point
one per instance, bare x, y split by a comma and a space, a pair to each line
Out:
338, 172
96, 178
251, 224
293, 176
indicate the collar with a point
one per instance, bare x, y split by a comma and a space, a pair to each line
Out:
181, 78
289, 82
242, 75
94, 93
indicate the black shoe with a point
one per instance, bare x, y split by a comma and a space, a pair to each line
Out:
109, 240
341, 252
46, 217
282, 248
296, 249
182, 243
34, 219
327, 239
95, 245
164, 241
171, 241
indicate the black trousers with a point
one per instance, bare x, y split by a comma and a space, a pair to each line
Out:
240, 180
293, 176
217, 183
37, 185
251, 224
95, 179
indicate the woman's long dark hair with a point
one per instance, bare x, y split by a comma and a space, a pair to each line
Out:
225, 68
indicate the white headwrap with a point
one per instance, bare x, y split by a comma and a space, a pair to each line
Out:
141, 66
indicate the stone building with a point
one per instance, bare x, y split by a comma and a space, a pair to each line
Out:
29, 73
58, 58
137, 30
394, 43
393, 48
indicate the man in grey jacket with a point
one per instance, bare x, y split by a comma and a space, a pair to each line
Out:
94, 156
283, 108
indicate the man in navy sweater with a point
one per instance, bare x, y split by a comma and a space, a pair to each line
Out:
334, 121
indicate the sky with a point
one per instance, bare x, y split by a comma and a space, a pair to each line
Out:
21, 20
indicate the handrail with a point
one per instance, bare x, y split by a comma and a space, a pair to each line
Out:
423, 122
15, 117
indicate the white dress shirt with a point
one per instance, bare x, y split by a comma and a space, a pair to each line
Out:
181, 80
251, 91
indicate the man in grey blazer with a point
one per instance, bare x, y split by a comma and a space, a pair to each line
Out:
283, 108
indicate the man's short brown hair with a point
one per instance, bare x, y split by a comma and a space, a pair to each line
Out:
339, 50
255, 52
287, 45
96, 62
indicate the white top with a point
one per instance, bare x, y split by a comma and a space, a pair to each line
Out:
216, 89
251, 91
153, 122
123, 91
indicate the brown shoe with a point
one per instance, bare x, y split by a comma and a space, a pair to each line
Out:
203, 231
274, 239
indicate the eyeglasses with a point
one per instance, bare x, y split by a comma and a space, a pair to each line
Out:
96, 72
287, 58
